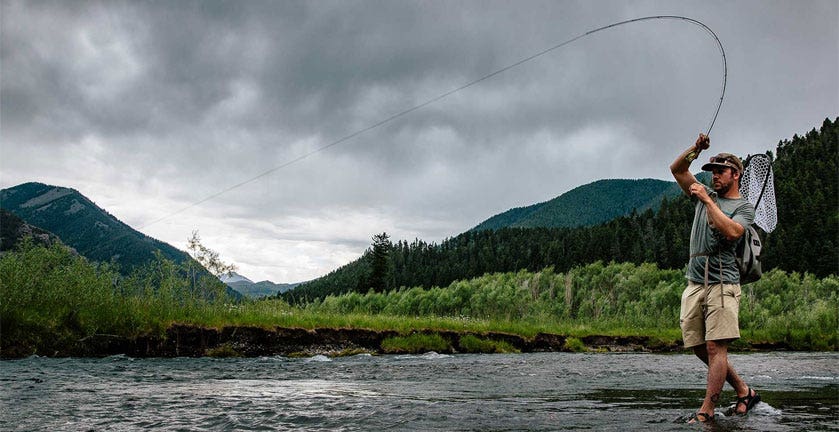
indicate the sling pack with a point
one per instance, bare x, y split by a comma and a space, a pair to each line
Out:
747, 251
747, 255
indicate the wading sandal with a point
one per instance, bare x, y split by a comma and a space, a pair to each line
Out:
700, 417
749, 400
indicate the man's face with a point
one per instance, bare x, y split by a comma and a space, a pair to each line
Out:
723, 179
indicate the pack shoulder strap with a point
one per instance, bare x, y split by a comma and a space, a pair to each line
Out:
706, 283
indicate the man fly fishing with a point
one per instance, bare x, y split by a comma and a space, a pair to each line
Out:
710, 303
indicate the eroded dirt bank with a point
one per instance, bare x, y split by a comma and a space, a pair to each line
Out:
194, 341
247, 341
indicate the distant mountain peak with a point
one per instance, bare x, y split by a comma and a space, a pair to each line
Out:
234, 277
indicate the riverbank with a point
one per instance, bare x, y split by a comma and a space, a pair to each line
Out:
54, 303
181, 340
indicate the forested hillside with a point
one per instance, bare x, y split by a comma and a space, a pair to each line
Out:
93, 232
807, 191
84, 226
587, 205
805, 241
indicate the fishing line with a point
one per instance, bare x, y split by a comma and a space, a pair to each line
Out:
463, 87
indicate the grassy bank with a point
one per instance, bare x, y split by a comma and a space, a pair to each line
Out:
49, 295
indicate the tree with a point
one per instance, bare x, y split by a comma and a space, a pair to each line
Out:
380, 263
207, 257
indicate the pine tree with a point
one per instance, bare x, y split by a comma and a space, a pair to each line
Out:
380, 265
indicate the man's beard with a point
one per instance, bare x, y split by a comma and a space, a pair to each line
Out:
723, 189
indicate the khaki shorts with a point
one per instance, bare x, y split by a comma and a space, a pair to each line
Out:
718, 322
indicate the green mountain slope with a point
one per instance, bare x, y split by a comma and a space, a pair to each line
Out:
93, 232
82, 225
587, 205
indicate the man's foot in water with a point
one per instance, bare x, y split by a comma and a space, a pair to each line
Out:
747, 402
700, 417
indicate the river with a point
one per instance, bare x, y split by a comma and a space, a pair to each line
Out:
540, 391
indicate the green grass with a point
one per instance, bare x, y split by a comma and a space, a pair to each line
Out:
473, 344
276, 313
574, 345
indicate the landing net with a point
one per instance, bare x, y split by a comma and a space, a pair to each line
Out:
758, 187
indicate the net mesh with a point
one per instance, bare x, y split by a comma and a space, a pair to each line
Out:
758, 183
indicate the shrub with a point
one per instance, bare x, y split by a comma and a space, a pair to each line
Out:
474, 344
574, 345
416, 343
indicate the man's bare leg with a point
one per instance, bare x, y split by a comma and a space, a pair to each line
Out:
731, 376
715, 355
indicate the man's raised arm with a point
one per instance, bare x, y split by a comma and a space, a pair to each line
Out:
681, 166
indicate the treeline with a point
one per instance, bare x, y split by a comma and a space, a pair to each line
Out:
799, 309
805, 240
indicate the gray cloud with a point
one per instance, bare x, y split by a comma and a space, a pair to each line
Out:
148, 107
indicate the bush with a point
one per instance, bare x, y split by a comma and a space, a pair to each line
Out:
416, 343
574, 345
474, 344
50, 298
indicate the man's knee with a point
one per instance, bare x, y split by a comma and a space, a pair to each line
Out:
715, 348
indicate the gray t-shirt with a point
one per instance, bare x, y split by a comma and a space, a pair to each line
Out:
705, 239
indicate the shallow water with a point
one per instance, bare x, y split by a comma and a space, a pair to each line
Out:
543, 391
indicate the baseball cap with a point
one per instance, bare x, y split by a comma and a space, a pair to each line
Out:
724, 160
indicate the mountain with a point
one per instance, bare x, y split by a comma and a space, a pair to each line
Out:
587, 205
234, 277
13, 230
260, 289
90, 230
82, 225
249, 288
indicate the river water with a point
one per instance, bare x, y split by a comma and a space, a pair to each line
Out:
542, 391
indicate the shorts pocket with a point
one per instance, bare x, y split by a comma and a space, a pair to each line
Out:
732, 291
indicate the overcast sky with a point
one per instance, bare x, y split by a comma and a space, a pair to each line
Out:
148, 107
